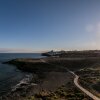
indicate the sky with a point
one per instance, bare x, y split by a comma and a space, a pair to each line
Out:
41, 25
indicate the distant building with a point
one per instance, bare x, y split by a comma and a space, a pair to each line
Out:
53, 53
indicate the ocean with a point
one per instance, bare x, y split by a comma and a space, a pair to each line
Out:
9, 74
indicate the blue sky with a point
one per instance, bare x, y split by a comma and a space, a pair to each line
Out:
39, 25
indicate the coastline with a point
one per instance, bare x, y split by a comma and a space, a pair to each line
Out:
22, 83
50, 76
33, 66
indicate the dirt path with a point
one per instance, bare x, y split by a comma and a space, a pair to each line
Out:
77, 84
83, 89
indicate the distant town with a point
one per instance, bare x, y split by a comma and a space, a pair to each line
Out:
75, 53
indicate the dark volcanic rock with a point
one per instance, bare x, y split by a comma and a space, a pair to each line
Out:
33, 65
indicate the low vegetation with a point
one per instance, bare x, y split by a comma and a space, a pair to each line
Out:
66, 91
90, 79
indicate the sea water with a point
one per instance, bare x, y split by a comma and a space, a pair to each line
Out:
9, 74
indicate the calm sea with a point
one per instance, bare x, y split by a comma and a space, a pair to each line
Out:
9, 74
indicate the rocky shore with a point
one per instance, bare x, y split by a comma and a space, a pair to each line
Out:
36, 80
48, 75
33, 65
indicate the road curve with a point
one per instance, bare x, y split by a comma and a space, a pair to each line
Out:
83, 89
79, 86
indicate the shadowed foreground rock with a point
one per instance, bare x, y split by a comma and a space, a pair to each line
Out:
34, 65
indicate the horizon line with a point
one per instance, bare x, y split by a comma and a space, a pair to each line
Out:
43, 51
